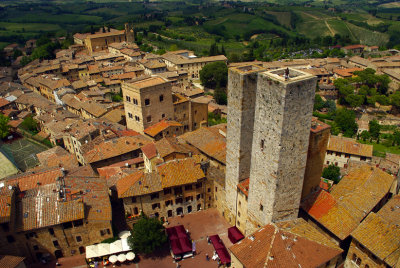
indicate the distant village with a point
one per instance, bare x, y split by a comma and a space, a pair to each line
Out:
132, 128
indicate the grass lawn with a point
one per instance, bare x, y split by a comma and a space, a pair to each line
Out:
380, 149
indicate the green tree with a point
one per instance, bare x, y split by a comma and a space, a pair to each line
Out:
213, 50
365, 135
346, 121
220, 96
331, 173
4, 127
396, 137
374, 128
214, 75
354, 100
29, 124
147, 235
318, 102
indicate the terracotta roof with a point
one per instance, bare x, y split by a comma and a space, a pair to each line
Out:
357, 193
98, 35
57, 157
179, 59
244, 186
3, 102
380, 232
32, 180
349, 146
287, 244
42, 207
123, 76
317, 126
179, 172
115, 147
8, 261
15, 123
208, 142
138, 183
354, 46
148, 82
346, 72
149, 150
116, 115
167, 146
5, 204
155, 129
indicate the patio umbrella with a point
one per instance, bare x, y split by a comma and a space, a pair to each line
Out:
124, 234
121, 257
113, 258
130, 256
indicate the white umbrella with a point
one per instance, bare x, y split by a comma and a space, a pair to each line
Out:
130, 256
121, 257
124, 234
113, 258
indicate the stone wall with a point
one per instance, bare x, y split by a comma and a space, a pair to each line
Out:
279, 152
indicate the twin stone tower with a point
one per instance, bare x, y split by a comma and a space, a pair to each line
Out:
269, 120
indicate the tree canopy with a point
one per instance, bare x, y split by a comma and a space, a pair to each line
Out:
147, 235
374, 128
346, 121
214, 75
4, 127
332, 173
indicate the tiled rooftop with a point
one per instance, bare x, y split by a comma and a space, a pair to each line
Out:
349, 146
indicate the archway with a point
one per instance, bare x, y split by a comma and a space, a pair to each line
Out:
58, 253
169, 213
179, 211
81, 250
189, 209
198, 207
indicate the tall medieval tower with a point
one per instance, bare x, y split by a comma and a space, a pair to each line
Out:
242, 88
282, 120
129, 34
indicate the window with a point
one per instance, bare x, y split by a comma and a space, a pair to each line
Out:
177, 190
209, 190
209, 198
147, 102
161, 98
55, 243
240, 203
137, 118
188, 187
327, 162
189, 198
239, 213
168, 203
78, 238
262, 145
51, 231
128, 98
167, 191
238, 223
135, 101
156, 205
198, 197
178, 201
133, 199
10, 239
104, 232
261, 207
154, 196
198, 185
216, 189
148, 119
163, 116
130, 115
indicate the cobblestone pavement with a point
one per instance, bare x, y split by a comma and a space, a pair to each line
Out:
200, 225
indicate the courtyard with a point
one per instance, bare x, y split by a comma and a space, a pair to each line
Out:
23, 152
200, 225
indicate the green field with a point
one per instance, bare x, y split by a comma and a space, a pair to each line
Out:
368, 37
282, 17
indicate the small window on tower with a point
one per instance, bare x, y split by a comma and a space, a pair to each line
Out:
262, 145
261, 207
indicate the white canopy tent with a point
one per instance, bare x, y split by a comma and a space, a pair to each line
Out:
105, 249
92, 251
116, 247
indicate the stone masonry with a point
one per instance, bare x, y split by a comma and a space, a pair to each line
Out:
242, 87
282, 124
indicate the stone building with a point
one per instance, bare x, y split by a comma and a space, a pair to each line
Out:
190, 113
319, 136
50, 216
285, 101
147, 100
164, 129
376, 241
174, 188
340, 150
242, 88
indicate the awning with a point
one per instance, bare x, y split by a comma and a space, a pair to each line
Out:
234, 234
92, 252
220, 248
116, 247
179, 240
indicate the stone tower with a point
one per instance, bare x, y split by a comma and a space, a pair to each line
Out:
130, 37
283, 113
242, 87
319, 137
